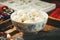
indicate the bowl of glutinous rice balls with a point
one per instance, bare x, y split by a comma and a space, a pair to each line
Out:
29, 20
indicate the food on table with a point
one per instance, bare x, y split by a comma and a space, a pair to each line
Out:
29, 19
56, 13
31, 16
5, 12
4, 36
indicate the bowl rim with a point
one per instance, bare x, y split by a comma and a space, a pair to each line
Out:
31, 23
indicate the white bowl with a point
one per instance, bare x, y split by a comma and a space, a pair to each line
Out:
30, 27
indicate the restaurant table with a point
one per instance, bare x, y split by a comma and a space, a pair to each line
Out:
47, 33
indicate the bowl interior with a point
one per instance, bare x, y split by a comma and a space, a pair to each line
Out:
43, 14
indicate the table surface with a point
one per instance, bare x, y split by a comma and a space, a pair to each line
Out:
48, 32
16, 33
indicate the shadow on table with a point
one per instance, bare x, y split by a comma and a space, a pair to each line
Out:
43, 35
